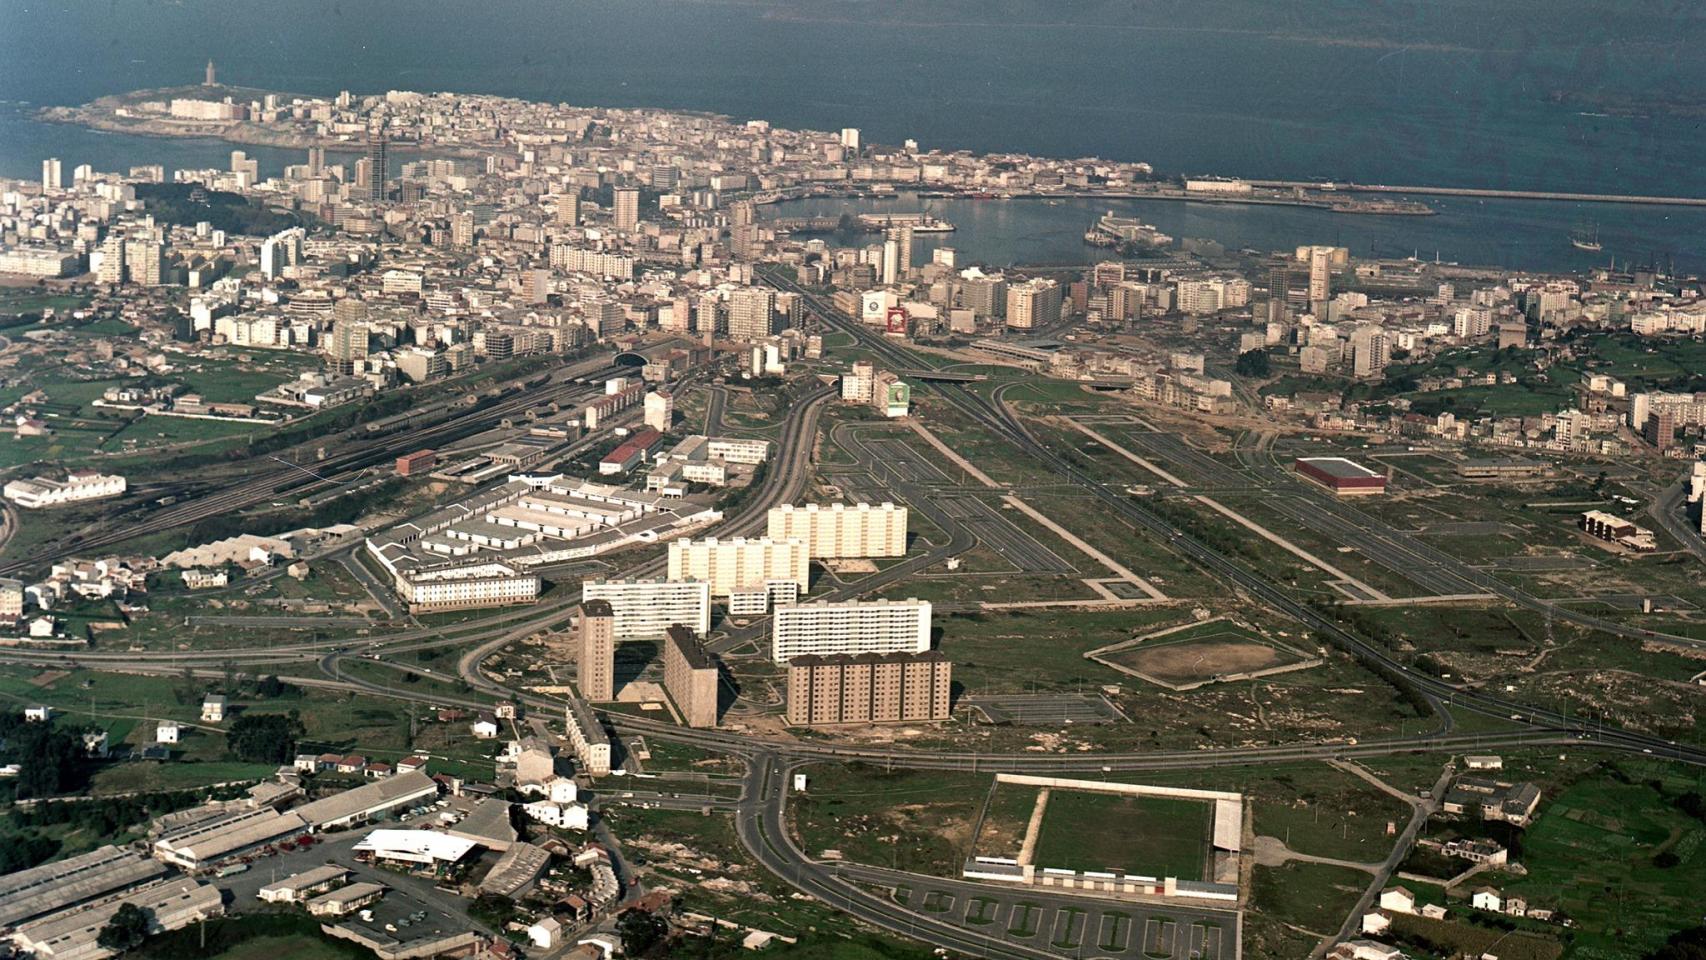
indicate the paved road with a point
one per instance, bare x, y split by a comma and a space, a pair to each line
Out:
1670, 510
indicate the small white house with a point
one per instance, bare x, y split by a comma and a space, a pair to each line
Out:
1487, 898
484, 729
42, 627
1397, 900
213, 708
562, 790
1433, 911
545, 934
1516, 907
569, 816
38, 714
166, 732
1376, 923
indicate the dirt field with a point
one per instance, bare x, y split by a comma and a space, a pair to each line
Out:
1005, 818
1199, 659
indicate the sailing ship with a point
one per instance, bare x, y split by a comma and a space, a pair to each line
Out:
1586, 237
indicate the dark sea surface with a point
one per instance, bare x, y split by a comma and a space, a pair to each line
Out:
1561, 95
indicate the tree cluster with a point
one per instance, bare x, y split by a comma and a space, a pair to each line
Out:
264, 737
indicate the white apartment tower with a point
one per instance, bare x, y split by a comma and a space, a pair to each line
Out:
627, 212
842, 530
737, 565
660, 410
861, 626
648, 608
752, 313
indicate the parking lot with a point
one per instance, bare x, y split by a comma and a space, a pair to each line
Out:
1088, 927
1044, 709
407, 898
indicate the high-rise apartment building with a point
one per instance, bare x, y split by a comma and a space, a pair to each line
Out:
901, 237
568, 209
1660, 429
841, 530
462, 230
378, 166
346, 348
627, 209
850, 139
752, 313
112, 259
869, 688
1370, 349
145, 260
740, 564
52, 174
1033, 303
645, 609
606, 318
858, 626
596, 668
690, 677
660, 411
1320, 275
985, 295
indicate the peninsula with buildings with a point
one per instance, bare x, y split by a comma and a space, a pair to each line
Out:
495, 535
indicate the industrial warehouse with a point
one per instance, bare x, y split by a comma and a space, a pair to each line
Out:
1345, 478
476, 552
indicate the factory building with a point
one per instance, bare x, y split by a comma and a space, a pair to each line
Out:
369, 802
731, 565
841, 530
690, 676
869, 688
78, 486
74, 934
647, 608
859, 626
27, 894
1344, 477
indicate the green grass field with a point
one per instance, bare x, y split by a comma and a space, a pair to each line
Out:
1143, 835
1314, 896
1592, 854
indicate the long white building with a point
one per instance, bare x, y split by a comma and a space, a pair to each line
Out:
733, 565
860, 626
476, 585
648, 608
841, 530
80, 485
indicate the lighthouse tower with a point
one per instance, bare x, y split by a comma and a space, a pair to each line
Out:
208, 81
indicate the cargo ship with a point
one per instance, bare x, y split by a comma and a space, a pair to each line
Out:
919, 222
